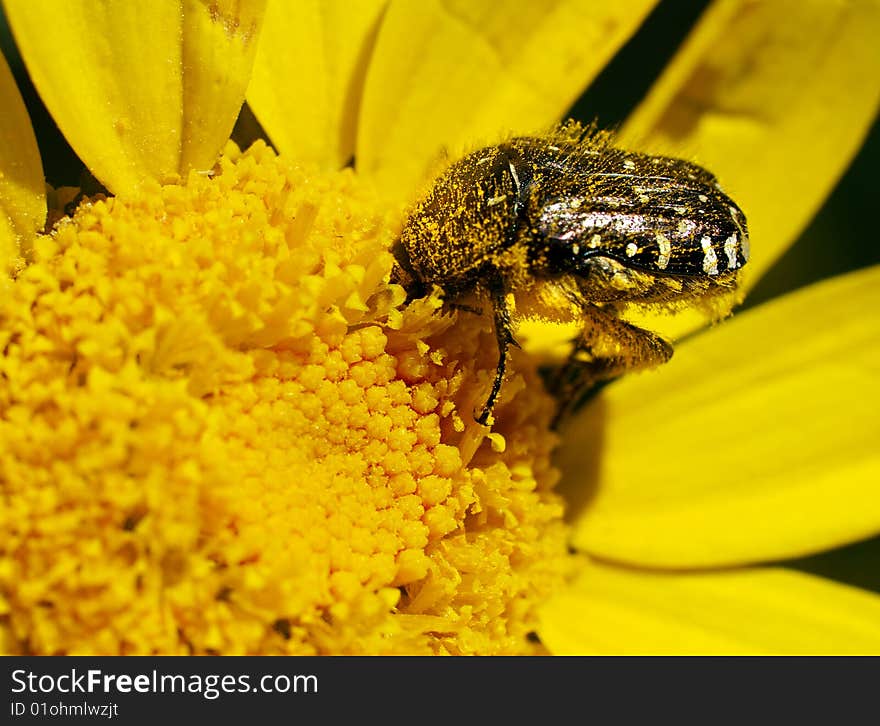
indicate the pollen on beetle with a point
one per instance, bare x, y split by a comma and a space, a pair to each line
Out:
222, 432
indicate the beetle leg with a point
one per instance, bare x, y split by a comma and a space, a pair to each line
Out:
504, 336
463, 308
606, 348
403, 273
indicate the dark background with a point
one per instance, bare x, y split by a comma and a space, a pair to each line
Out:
839, 239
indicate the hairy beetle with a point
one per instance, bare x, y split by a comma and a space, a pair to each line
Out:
570, 227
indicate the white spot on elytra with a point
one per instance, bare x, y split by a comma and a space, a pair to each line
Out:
730, 250
631, 249
710, 259
575, 248
737, 217
629, 164
514, 175
595, 241
702, 197
665, 249
643, 198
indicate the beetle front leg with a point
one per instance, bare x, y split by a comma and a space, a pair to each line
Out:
504, 336
606, 348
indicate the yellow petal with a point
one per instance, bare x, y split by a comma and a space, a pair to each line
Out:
219, 46
22, 190
449, 75
775, 102
765, 611
140, 90
757, 441
309, 73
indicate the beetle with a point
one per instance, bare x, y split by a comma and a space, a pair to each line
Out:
568, 226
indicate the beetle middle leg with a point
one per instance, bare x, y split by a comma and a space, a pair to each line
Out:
606, 348
504, 337
463, 308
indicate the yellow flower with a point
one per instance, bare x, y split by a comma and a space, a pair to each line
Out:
222, 431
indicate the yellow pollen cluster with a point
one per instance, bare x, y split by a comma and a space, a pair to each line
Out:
222, 431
